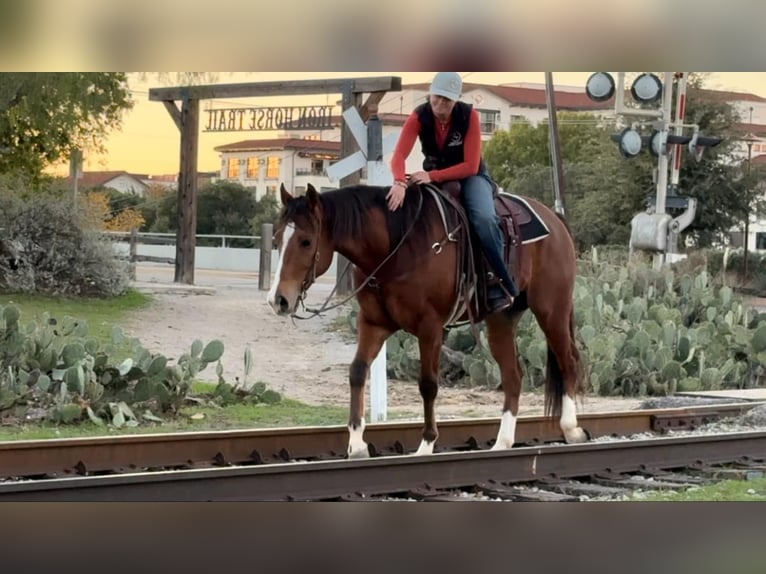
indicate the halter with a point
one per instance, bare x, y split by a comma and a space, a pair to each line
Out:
311, 273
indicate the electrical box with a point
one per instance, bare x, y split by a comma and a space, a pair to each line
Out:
649, 231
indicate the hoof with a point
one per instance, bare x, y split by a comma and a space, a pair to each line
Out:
576, 435
358, 453
425, 447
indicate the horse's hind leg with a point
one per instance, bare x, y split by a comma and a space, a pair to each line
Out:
370, 340
501, 333
563, 382
430, 344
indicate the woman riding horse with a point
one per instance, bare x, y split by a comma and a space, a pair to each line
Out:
450, 136
402, 282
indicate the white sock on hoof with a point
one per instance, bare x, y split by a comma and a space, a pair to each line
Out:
357, 448
568, 423
425, 447
507, 433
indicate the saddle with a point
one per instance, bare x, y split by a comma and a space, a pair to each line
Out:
475, 275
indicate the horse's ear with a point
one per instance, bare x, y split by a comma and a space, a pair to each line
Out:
312, 197
285, 195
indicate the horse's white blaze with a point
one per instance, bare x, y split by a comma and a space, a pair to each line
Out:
357, 448
426, 447
272, 296
506, 436
568, 423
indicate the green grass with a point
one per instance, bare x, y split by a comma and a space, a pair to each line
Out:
284, 414
726, 491
100, 314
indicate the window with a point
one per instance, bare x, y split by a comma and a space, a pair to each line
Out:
271, 190
233, 171
317, 166
272, 167
760, 240
517, 119
252, 168
489, 120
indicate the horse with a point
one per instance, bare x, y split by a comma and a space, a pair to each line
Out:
403, 281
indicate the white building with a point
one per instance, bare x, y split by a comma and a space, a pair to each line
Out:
299, 157
121, 181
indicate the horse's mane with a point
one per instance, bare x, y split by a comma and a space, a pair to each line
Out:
347, 210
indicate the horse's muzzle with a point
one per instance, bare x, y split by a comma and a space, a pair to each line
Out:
281, 305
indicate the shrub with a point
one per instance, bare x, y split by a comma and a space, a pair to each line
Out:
49, 250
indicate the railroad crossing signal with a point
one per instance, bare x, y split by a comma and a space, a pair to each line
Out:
647, 89
373, 146
360, 159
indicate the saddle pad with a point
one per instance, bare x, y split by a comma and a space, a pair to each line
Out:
535, 229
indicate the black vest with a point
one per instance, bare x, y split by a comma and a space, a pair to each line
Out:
454, 147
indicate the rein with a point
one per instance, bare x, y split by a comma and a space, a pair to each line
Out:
311, 274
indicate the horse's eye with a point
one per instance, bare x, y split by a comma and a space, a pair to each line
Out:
305, 243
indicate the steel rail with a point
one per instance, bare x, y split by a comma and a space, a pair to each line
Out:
132, 453
394, 474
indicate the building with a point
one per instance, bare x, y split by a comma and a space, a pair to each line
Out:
299, 156
121, 181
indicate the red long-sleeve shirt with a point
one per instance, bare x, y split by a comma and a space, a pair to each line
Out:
471, 149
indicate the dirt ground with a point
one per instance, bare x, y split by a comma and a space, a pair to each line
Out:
306, 360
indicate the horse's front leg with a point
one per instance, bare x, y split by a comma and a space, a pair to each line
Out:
430, 344
370, 340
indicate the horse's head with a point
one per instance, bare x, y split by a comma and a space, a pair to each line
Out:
305, 251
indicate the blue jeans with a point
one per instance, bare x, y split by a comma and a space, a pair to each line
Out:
480, 208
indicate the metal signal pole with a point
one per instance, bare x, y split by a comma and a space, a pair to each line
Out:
555, 146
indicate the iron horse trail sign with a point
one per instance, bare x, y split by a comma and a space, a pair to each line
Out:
269, 118
182, 103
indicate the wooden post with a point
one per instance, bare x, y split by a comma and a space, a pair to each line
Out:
133, 252
187, 121
187, 193
264, 268
347, 147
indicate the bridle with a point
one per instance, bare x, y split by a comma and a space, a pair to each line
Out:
311, 273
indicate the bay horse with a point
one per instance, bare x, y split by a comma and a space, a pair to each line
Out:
414, 288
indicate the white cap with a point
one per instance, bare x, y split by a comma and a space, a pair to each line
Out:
448, 85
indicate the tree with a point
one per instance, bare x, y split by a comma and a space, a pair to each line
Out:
45, 116
266, 211
604, 190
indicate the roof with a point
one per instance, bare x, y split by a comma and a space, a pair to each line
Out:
532, 97
757, 130
728, 96
281, 144
91, 179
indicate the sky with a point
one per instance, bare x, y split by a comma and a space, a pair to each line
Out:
148, 141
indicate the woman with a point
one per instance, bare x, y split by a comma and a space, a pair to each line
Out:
450, 137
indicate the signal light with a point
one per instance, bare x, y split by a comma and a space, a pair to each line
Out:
658, 143
646, 88
600, 87
630, 143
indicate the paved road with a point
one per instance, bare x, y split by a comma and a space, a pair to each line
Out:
161, 278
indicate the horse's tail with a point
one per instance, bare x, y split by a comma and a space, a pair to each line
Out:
554, 386
554, 380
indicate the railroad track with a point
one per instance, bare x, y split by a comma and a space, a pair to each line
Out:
308, 463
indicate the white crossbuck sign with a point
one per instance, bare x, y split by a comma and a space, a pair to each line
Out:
378, 173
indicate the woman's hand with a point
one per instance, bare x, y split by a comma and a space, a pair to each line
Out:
395, 196
420, 177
